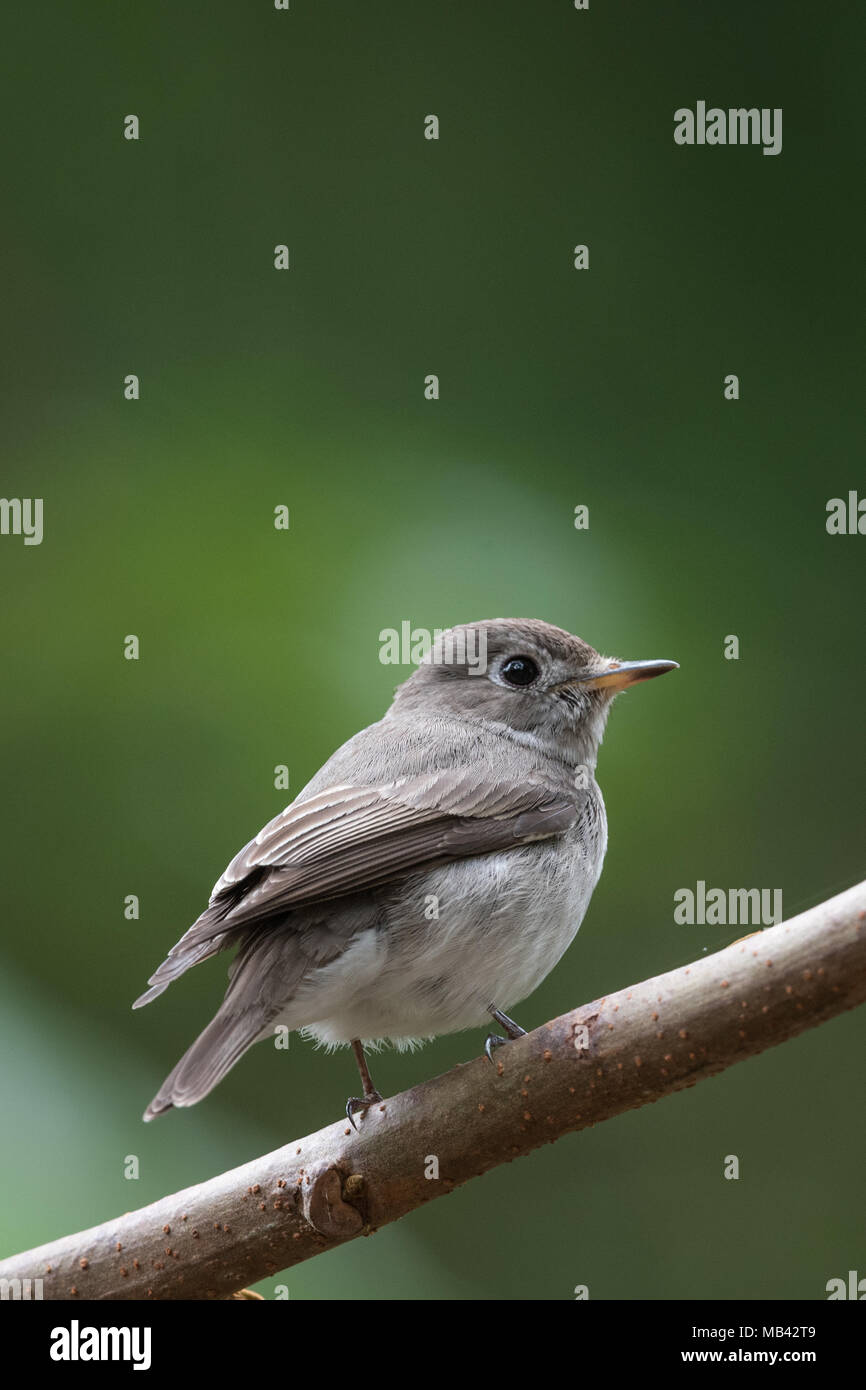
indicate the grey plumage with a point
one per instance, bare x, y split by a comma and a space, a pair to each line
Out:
469, 794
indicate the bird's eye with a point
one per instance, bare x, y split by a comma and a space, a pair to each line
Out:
519, 670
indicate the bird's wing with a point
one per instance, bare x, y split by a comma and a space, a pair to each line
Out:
347, 839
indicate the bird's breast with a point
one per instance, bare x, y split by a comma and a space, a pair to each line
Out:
487, 930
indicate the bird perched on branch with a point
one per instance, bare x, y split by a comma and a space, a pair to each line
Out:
431, 874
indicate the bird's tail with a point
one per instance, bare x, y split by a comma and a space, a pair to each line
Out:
213, 1053
189, 951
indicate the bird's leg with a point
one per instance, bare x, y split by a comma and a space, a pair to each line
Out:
371, 1095
513, 1030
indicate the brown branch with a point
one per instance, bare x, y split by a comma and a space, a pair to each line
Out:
316, 1193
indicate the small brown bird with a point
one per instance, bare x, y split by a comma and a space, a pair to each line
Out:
431, 874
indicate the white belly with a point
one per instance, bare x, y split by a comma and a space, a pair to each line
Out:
503, 922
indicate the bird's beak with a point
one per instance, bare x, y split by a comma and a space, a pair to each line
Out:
619, 675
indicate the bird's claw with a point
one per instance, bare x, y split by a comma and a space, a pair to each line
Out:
513, 1030
356, 1104
493, 1040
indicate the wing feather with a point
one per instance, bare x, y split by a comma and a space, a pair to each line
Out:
350, 839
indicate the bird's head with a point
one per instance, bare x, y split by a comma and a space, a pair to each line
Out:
536, 680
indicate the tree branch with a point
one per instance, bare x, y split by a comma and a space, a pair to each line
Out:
615, 1054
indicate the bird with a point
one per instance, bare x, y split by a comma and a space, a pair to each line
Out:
430, 875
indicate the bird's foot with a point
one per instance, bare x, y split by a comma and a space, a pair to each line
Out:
493, 1040
513, 1030
358, 1105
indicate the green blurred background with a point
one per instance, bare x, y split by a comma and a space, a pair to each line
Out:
260, 647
